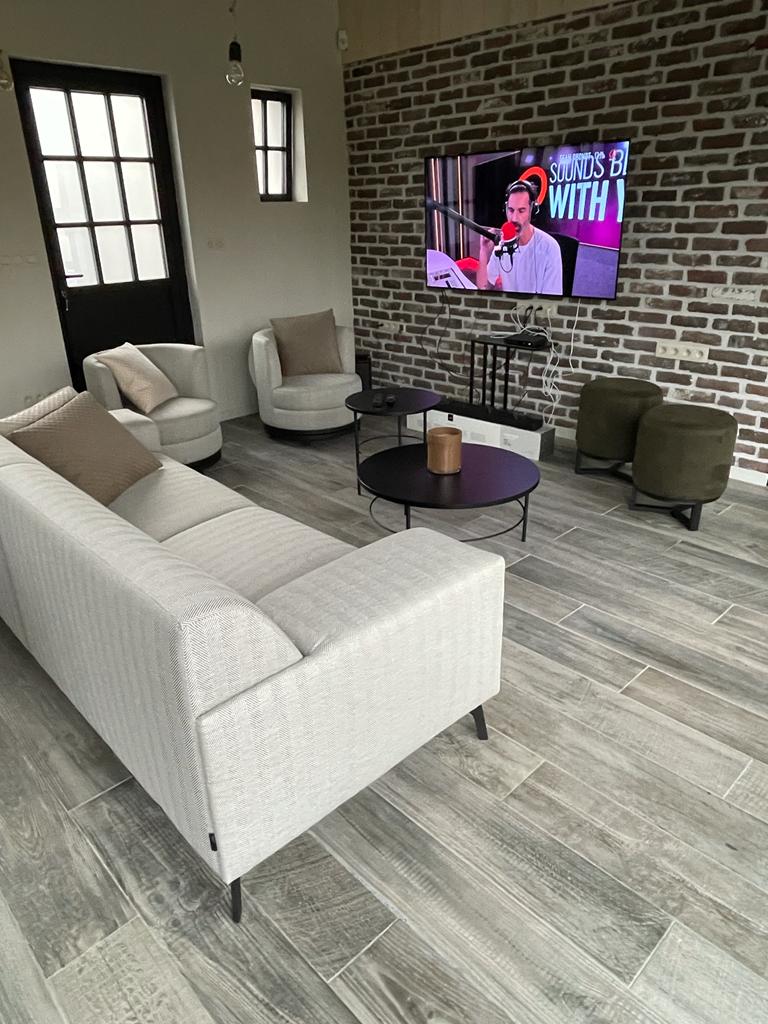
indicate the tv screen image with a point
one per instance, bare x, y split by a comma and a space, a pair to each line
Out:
536, 221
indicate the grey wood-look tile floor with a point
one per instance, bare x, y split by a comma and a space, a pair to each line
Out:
602, 858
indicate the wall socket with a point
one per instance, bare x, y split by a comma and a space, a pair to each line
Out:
682, 350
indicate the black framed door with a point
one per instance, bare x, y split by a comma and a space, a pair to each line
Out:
101, 164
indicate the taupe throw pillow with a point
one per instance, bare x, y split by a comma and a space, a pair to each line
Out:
36, 412
142, 383
307, 344
84, 444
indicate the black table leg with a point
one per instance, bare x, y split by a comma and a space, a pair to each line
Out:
407, 510
424, 428
525, 516
357, 449
399, 430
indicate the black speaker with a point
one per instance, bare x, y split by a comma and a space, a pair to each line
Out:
363, 369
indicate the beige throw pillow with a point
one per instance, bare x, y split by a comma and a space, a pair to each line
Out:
142, 383
36, 412
307, 344
84, 444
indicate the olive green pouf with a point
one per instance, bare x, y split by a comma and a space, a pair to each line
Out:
683, 457
609, 414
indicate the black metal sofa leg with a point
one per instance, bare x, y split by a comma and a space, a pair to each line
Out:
237, 900
479, 717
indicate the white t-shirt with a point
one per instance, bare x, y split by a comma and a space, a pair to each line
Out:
537, 267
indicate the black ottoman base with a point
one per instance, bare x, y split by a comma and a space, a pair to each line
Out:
686, 512
606, 467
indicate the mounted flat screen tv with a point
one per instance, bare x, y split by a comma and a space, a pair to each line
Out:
536, 221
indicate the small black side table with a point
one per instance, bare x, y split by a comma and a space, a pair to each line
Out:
407, 402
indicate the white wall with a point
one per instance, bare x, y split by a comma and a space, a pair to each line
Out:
276, 258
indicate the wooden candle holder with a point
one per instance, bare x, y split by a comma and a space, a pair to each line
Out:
444, 450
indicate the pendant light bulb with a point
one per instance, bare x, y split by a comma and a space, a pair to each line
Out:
235, 73
6, 77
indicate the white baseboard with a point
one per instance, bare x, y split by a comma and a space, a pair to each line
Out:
749, 476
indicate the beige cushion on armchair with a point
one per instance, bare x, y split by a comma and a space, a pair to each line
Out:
307, 344
143, 384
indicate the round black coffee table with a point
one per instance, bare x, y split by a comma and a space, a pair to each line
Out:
399, 402
489, 476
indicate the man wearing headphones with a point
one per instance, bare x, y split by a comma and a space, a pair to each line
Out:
536, 266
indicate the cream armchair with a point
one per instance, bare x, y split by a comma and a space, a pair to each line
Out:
305, 406
187, 427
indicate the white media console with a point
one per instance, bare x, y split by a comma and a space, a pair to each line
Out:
534, 444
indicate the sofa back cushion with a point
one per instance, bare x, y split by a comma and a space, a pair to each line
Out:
307, 344
83, 443
143, 384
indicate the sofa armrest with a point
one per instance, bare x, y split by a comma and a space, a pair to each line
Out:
401, 639
101, 384
185, 365
416, 574
142, 427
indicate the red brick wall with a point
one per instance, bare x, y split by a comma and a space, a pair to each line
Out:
687, 83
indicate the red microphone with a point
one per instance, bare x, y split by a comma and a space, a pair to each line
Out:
507, 244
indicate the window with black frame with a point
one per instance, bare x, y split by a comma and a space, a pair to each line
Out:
273, 135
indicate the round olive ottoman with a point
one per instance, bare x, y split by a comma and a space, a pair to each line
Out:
609, 413
683, 457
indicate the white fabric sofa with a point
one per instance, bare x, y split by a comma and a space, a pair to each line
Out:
188, 426
306, 405
251, 672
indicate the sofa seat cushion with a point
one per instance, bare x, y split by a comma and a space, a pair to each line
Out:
315, 391
179, 419
173, 499
255, 551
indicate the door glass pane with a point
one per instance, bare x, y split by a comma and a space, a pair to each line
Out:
150, 254
140, 191
92, 124
52, 121
103, 192
77, 256
130, 125
276, 172
65, 191
260, 169
113, 253
258, 122
275, 123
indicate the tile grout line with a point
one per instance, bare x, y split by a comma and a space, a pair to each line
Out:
363, 950
650, 955
96, 796
90, 949
524, 779
637, 676
572, 612
720, 616
561, 535
749, 763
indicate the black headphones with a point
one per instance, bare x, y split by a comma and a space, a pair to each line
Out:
529, 188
